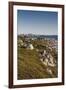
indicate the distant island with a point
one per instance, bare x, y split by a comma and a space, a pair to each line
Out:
40, 36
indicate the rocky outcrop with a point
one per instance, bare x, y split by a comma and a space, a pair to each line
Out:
47, 59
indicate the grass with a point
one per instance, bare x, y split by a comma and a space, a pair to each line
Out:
29, 65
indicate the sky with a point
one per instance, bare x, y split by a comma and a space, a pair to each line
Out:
37, 22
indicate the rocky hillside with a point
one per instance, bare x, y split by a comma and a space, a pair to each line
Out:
40, 61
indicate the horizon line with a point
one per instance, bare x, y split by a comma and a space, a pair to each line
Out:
36, 34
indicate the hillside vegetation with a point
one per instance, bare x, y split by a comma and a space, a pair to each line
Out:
29, 64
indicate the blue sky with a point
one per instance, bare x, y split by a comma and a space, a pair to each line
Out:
37, 22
